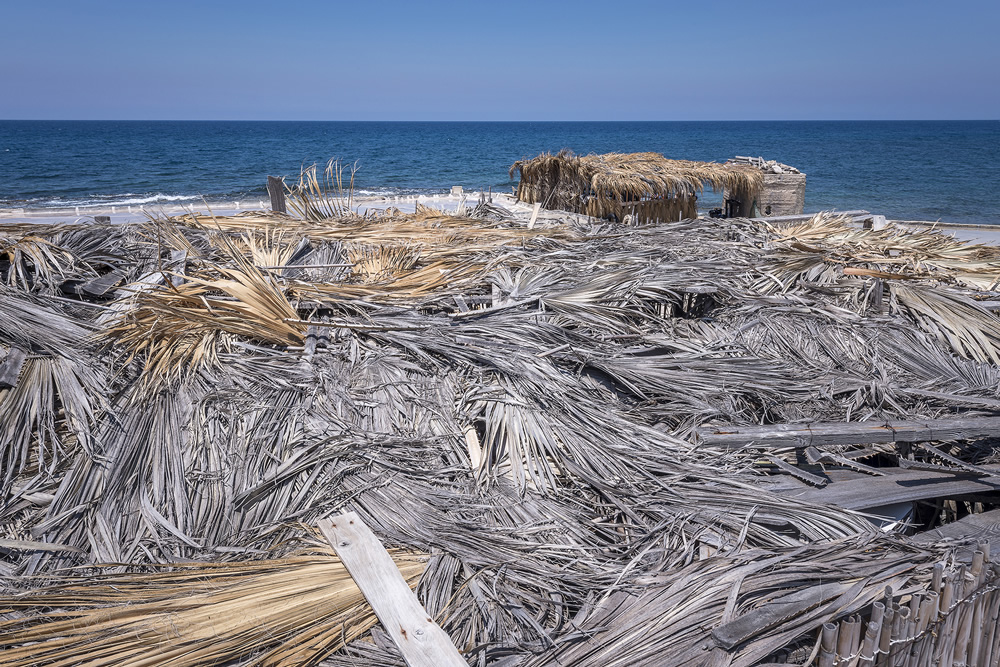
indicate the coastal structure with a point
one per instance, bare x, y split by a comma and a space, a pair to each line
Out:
629, 187
782, 192
648, 187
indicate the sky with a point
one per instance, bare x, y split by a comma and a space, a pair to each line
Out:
511, 60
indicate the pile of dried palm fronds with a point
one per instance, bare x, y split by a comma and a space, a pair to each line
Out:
644, 186
516, 403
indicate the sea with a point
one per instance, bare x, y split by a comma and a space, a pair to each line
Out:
908, 170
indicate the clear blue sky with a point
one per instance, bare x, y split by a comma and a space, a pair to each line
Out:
509, 60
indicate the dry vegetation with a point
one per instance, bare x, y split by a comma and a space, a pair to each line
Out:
517, 407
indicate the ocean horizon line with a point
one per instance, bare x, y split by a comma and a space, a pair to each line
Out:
389, 121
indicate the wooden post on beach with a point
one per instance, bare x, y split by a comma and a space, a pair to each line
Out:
276, 190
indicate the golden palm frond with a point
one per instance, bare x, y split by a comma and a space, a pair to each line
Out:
269, 613
179, 326
382, 262
323, 197
34, 261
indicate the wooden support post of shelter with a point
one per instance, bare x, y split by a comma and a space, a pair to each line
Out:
276, 190
421, 641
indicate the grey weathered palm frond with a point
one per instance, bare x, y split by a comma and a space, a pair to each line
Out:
34, 323
47, 416
666, 620
969, 329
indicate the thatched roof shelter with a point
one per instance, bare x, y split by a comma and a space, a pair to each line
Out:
645, 186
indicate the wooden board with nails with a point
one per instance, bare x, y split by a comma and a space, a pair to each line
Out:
421, 641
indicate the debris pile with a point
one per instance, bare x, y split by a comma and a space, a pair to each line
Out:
595, 444
770, 166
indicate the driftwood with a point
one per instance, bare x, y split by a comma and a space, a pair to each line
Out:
418, 637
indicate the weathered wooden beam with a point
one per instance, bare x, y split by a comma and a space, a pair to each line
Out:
821, 434
10, 367
897, 486
276, 191
981, 528
421, 641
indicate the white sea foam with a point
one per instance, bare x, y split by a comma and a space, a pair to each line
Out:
131, 199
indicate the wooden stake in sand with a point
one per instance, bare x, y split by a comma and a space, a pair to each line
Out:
276, 190
421, 641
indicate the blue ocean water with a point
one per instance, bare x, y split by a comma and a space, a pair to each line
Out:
918, 170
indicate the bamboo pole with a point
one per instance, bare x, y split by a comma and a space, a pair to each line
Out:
828, 645
991, 650
888, 627
898, 647
945, 633
847, 644
975, 646
928, 616
871, 639
937, 577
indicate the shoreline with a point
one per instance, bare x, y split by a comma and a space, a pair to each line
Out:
123, 214
974, 232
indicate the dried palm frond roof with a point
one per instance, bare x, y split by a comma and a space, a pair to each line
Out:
636, 176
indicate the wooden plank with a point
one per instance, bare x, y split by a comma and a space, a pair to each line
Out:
534, 216
821, 434
276, 191
10, 367
897, 486
983, 527
421, 641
